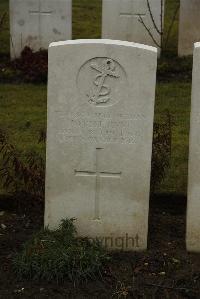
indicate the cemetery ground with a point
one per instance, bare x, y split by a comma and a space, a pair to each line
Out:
166, 270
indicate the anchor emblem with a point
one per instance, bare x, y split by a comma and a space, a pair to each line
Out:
102, 92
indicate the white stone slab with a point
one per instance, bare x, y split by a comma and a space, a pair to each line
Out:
121, 20
37, 23
189, 26
99, 139
193, 205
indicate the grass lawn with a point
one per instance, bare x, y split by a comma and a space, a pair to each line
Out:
23, 115
170, 11
176, 98
23, 107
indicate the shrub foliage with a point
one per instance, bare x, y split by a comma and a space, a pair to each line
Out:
21, 174
58, 255
33, 66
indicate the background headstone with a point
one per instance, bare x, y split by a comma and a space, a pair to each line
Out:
189, 26
193, 205
37, 23
121, 20
99, 139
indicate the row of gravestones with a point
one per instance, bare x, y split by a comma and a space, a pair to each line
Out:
37, 23
99, 141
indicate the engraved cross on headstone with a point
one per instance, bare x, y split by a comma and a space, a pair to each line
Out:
127, 14
39, 12
97, 174
132, 13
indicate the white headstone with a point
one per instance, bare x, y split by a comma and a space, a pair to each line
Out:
99, 139
189, 26
37, 23
121, 19
193, 205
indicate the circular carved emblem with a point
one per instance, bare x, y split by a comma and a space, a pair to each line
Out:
102, 81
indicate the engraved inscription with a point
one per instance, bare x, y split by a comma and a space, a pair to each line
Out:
95, 131
102, 92
97, 174
100, 129
101, 82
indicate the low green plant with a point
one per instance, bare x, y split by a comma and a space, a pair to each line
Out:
58, 255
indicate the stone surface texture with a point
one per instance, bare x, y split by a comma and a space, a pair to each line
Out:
189, 26
99, 139
37, 23
193, 205
121, 20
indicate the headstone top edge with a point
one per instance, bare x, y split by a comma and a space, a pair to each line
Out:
104, 41
196, 45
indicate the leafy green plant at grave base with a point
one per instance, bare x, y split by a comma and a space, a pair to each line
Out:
21, 175
59, 255
161, 151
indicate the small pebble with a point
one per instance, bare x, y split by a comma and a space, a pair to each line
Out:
162, 273
175, 261
3, 226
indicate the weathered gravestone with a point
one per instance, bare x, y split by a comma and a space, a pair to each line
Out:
189, 26
127, 19
37, 23
99, 140
193, 206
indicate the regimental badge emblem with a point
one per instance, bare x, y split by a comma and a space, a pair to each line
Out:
101, 81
